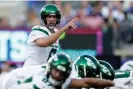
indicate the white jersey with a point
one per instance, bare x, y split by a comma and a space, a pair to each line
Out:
2, 77
123, 80
39, 55
127, 66
123, 83
20, 74
40, 82
35, 76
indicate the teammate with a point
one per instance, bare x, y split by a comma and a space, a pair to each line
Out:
20, 74
106, 70
124, 76
42, 42
86, 66
54, 75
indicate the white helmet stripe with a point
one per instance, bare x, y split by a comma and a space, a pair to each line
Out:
100, 75
77, 68
84, 71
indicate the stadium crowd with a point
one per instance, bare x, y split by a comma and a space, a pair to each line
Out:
92, 14
89, 12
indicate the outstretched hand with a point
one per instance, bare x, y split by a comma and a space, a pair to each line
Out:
71, 24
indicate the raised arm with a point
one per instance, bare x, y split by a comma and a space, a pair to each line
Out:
47, 41
91, 82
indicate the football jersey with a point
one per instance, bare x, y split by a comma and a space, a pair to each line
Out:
34, 76
127, 66
20, 74
123, 80
39, 81
123, 83
37, 54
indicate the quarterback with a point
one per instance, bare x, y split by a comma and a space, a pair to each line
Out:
54, 75
42, 42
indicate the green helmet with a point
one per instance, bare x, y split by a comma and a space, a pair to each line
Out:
87, 66
50, 9
107, 71
62, 62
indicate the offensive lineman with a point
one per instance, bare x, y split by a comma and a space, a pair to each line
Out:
86, 66
55, 75
124, 76
42, 42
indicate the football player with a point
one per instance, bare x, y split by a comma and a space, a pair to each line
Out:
124, 76
106, 70
55, 75
87, 66
42, 42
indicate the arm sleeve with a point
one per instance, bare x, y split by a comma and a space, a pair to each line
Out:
122, 74
35, 34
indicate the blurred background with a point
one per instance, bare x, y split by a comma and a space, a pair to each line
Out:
105, 30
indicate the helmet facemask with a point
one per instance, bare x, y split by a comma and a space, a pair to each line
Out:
61, 64
55, 82
64, 74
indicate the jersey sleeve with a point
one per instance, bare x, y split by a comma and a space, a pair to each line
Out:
123, 74
36, 33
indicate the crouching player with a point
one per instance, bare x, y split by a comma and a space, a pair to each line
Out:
124, 76
55, 75
86, 66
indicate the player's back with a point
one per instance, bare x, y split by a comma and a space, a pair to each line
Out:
19, 74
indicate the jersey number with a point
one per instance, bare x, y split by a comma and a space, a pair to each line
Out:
52, 52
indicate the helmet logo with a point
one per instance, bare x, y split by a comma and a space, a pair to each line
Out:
105, 70
52, 12
90, 63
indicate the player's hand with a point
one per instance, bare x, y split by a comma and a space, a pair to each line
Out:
71, 24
